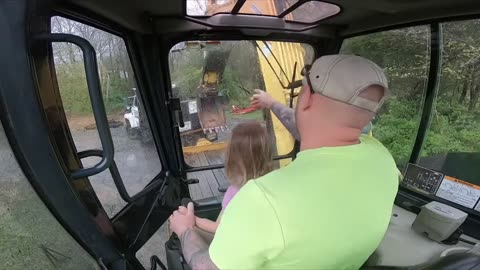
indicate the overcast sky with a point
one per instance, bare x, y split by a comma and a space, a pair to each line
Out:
196, 7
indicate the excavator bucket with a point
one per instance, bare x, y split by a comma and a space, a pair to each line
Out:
212, 114
212, 106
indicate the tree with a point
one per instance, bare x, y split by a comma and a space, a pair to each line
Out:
404, 54
116, 73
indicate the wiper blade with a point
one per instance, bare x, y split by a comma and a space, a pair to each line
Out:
295, 84
271, 66
276, 60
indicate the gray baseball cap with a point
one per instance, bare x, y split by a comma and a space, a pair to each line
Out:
344, 77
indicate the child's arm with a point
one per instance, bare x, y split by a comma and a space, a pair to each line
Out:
208, 225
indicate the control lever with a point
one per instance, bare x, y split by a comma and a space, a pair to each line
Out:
185, 202
154, 261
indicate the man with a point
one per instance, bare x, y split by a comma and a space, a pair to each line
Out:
330, 207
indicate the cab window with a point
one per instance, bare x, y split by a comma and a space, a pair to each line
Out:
135, 152
404, 54
447, 170
452, 144
214, 81
455, 125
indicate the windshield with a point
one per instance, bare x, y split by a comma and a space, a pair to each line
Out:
214, 81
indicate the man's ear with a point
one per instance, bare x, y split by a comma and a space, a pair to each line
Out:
305, 99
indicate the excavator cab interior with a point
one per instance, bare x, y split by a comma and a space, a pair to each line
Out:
88, 184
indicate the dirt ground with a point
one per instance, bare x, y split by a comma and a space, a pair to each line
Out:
87, 122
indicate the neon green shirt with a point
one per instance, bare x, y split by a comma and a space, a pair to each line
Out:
329, 209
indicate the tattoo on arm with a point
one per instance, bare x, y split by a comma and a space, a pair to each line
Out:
286, 115
195, 251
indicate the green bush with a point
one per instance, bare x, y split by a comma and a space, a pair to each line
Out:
74, 92
73, 88
187, 80
232, 88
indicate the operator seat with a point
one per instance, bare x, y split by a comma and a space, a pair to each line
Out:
459, 261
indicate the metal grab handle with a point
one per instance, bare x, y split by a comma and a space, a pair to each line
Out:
95, 92
117, 179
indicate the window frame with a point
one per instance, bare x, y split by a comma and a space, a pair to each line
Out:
35, 152
407, 198
134, 212
124, 35
188, 168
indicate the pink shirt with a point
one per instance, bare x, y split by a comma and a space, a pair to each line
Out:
229, 194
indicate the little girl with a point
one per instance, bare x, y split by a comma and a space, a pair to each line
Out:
249, 156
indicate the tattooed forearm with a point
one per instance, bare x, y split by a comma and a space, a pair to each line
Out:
201, 261
286, 115
195, 251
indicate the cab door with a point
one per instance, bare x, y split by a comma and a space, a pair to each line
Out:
63, 112
43, 222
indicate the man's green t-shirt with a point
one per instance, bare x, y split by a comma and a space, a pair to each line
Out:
329, 209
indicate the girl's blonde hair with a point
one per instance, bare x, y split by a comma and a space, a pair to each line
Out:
249, 154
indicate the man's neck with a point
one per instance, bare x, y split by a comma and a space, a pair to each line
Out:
329, 137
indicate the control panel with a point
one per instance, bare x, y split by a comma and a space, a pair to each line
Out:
422, 179
437, 184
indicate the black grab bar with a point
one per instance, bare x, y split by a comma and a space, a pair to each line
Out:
94, 90
117, 179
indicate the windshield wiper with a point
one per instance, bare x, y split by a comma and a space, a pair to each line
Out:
291, 84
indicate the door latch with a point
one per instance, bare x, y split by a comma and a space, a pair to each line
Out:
177, 110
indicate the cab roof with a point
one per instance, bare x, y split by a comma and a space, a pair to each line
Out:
353, 18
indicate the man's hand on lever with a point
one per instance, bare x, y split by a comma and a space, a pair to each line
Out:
194, 247
182, 219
